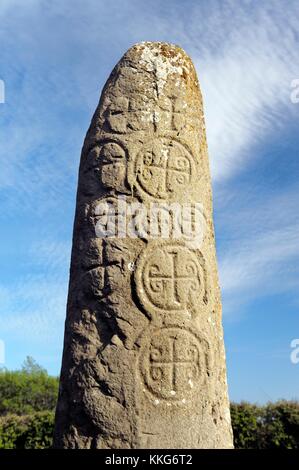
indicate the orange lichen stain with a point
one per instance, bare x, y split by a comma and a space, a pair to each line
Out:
170, 52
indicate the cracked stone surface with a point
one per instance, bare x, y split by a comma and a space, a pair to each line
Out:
144, 360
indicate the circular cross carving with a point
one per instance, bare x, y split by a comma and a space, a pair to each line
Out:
170, 278
164, 167
173, 363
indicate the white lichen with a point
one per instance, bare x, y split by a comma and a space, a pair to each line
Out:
147, 116
156, 116
131, 266
190, 383
160, 65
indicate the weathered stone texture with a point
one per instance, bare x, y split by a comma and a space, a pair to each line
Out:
144, 360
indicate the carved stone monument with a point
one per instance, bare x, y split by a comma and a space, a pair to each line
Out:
144, 361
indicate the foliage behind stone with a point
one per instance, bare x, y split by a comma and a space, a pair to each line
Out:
32, 431
27, 390
275, 425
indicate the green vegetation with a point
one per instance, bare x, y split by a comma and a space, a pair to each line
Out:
28, 398
33, 431
27, 390
275, 425
27, 403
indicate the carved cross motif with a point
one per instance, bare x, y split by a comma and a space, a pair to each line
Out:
170, 279
172, 363
174, 280
124, 116
163, 167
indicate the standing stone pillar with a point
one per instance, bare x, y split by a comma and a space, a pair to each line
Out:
144, 362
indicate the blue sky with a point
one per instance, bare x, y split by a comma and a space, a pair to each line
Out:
55, 59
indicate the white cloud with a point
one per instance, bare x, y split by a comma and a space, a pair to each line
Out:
35, 309
260, 262
246, 79
261, 253
53, 255
34, 305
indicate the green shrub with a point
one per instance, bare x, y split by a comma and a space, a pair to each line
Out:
244, 418
280, 425
275, 425
28, 390
32, 431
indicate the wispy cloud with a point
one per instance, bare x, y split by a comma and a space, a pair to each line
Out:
260, 252
35, 309
52, 255
246, 60
265, 258
33, 305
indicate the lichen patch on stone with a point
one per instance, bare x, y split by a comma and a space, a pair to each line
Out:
162, 66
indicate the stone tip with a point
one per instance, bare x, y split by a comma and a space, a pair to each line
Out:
158, 55
165, 49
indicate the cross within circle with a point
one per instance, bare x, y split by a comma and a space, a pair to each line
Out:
172, 278
172, 364
164, 166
